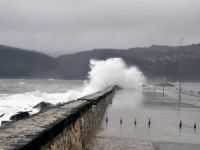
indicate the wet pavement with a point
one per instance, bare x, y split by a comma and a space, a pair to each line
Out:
165, 114
113, 143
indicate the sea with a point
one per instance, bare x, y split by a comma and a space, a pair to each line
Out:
18, 95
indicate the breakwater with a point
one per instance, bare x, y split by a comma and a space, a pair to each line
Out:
67, 126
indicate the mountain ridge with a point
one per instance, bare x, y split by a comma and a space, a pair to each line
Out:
154, 61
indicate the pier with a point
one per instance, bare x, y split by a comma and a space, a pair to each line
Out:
66, 127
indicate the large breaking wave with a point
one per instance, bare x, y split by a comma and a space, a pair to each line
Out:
103, 73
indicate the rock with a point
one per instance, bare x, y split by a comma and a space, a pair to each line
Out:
43, 105
6, 122
59, 104
20, 116
2, 115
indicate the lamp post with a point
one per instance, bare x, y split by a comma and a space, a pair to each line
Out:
163, 85
180, 80
154, 78
163, 73
180, 75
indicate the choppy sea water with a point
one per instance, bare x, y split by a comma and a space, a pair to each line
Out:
22, 94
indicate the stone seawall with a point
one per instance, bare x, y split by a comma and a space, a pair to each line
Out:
68, 126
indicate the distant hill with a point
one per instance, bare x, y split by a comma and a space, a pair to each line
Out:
153, 61
19, 63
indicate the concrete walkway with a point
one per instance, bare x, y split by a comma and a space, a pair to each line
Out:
164, 132
112, 143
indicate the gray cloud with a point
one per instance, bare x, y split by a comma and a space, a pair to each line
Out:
66, 26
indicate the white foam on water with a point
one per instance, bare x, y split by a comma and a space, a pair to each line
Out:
13, 103
113, 71
103, 73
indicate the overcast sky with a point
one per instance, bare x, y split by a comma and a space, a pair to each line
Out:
67, 26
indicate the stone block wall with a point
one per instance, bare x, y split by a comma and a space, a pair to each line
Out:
67, 127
